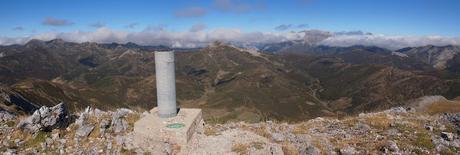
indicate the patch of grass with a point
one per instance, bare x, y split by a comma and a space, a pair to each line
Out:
423, 139
300, 129
447, 152
289, 150
350, 121
37, 139
131, 119
96, 132
257, 145
126, 151
380, 121
210, 131
240, 148
443, 107
262, 131
147, 153
9, 123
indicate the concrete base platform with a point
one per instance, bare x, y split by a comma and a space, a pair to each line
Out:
174, 130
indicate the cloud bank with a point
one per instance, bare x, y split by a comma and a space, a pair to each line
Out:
199, 36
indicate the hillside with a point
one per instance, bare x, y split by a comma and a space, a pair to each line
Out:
439, 57
227, 82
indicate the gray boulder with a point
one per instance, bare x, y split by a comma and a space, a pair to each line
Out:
348, 151
84, 130
104, 125
447, 136
311, 150
6, 116
84, 125
46, 119
119, 123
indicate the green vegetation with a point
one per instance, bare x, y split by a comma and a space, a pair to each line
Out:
241, 149
424, 140
257, 145
36, 139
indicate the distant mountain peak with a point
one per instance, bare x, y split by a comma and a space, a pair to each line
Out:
35, 43
56, 41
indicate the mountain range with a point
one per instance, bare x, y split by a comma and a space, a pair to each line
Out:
287, 81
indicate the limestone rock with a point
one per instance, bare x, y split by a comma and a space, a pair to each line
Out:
6, 116
119, 123
447, 136
348, 151
84, 130
311, 150
46, 119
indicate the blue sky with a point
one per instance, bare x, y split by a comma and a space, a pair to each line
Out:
390, 17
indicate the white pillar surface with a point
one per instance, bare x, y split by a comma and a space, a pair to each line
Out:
166, 83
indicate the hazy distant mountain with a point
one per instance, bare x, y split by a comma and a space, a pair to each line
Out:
440, 57
229, 83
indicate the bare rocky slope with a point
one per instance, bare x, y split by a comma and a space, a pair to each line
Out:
429, 125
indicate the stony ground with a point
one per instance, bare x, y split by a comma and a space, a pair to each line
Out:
431, 127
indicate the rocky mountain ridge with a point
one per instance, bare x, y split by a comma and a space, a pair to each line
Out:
227, 82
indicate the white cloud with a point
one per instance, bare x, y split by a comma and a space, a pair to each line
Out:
159, 35
390, 42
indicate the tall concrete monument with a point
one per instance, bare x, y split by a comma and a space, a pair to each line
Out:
166, 84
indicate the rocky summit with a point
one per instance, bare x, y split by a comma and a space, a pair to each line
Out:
430, 125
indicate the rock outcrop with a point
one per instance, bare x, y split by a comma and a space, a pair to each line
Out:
6, 116
394, 131
46, 119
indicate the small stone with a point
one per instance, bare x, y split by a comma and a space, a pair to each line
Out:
397, 110
348, 151
43, 145
278, 137
429, 127
311, 150
442, 127
120, 140
167, 149
6, 116
5, 143
392, 146
447, 136
103, 126
109, 145
379, 138
10, 152
49, 141
17, 141
55, 136
84, 130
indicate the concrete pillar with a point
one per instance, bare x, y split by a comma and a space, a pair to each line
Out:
166, 83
